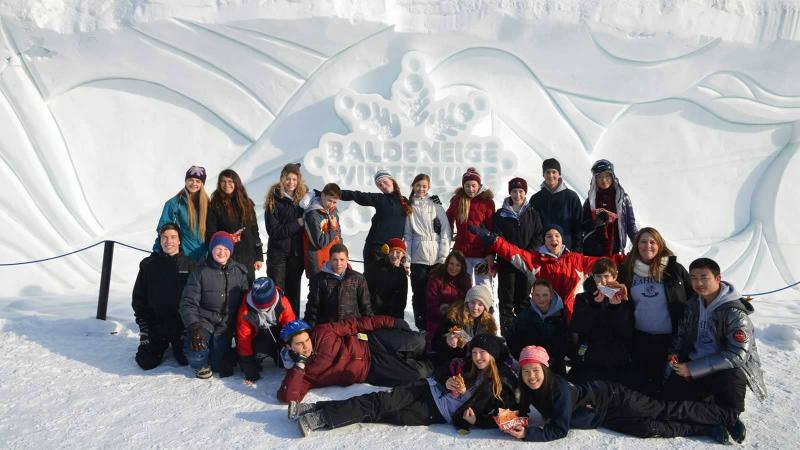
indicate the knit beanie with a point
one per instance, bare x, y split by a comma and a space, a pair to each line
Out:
551, 163
393, 244
553, 226
517, 183
381, 174
480, 293
493, 345
471, 175
196, 172
221, 238
264, 293
602, 165
534, 354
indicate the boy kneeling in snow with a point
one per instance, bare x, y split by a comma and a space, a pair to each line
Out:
714, 351
209, 304
264, 311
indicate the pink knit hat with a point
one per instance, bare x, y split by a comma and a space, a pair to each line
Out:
533, 354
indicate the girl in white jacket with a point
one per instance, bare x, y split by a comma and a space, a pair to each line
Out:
427, 236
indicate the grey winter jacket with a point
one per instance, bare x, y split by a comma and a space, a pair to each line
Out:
425, 245
213, 294
735, 338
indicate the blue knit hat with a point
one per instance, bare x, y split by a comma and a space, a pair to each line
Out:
381, 174
264, 293
221, 238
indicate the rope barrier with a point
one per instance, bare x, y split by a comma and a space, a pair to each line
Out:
773, 291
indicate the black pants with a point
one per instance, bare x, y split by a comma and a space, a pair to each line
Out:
372, 255
726, 388
150, 355
397, 357
411, 404
624, 375
636, 414
287, 272
513, 291
649, 354
419, 285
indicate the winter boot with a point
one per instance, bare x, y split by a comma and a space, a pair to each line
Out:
738, 431
203, 373
719, 434
310, 421
297, 409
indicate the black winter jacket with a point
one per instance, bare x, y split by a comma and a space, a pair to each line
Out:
677, 288
528, 328
285, 234
157, 292
523, 230
562, 207
331, 299
389, 220
389, 296
248, 250
604, 330
213, 294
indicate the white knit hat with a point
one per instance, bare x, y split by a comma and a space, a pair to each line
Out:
480, 293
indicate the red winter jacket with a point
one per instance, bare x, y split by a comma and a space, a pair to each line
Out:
340, 358
247, 327
440, 293
565, 273
481, 211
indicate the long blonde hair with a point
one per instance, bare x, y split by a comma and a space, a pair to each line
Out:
197, 219
464, 202
491, 372
277, 189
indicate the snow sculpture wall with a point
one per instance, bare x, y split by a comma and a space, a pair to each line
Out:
97, 127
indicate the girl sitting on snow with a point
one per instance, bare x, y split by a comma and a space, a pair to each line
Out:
447, 285
463, 321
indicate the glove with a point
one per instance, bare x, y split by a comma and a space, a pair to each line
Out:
299, 360
144, 338
198, 337
486, 236
437, 225
250, 367
401, 324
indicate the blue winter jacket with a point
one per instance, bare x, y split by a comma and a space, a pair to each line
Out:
192, 244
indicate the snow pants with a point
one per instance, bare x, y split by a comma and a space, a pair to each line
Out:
397, 357
287, 273
633, 413
478, 277
649, 354
150, 355
419, 283
727, 388
411, 404
513, 291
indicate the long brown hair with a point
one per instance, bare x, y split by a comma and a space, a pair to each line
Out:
459, 315
277, 188
464, 202
418, 178
403, 202
238, 201
462, 281
196, 208
655, 265
491, 372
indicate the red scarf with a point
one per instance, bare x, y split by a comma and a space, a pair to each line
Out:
607, 199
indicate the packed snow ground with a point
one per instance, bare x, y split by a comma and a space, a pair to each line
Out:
68, 380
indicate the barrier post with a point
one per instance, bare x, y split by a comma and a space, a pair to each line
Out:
105, 280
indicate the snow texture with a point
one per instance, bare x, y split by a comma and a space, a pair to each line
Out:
104, 104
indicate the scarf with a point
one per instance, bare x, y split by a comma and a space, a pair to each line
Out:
606, 198
642, 269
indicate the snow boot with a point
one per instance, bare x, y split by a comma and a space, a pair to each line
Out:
311, 421
738, 431
719, 434
297, 409
203, 373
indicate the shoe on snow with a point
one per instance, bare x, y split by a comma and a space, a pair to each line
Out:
204, 373
297, 409
738, 431
310, 421
720, 435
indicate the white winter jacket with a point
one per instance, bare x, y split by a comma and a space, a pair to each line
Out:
424, 245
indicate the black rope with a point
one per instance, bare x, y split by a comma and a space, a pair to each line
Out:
22, 263
132, 247
773, 291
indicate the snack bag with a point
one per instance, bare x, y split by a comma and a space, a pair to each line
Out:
507, 419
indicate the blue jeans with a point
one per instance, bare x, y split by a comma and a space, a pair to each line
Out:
213, 354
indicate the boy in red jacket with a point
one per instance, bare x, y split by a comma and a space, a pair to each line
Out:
264, 311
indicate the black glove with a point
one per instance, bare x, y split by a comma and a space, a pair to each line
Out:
602, 216
401, 324
144, 338
437, 225
299, 360
198, 337
250, 367
486, 236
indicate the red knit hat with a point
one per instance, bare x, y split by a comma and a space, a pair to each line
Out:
393, 244
471, 175
533, 354
517, 183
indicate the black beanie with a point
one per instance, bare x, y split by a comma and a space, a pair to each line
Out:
492, 344
551, 163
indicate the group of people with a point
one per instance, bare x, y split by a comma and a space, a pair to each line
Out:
647, 348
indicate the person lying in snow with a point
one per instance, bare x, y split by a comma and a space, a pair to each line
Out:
379, 350
466, 396
555, 405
